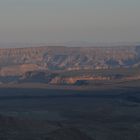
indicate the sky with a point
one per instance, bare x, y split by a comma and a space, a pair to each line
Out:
58, 21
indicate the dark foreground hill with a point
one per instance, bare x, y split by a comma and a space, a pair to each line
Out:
23, 129
106, 112
68, 134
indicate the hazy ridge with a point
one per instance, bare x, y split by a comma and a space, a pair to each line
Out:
67, 58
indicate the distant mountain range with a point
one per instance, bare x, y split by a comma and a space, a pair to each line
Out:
67, 58
19, 61
68, 44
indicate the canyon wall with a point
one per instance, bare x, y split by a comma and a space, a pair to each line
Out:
19, 60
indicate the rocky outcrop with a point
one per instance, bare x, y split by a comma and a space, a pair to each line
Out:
76, 80
76, 77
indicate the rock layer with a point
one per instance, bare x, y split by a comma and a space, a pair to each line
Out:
18, 60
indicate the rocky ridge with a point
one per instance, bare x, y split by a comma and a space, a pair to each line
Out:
17, 61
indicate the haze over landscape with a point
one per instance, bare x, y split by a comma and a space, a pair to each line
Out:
60, 21
69, 70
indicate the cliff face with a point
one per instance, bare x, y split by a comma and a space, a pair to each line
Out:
70, 78
66, 58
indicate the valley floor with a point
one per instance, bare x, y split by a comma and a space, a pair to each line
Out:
105, 111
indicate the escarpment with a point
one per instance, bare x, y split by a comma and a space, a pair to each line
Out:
16, 61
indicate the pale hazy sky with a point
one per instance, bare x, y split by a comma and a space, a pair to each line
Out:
55, 21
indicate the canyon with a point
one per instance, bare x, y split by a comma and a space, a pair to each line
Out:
48, 63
